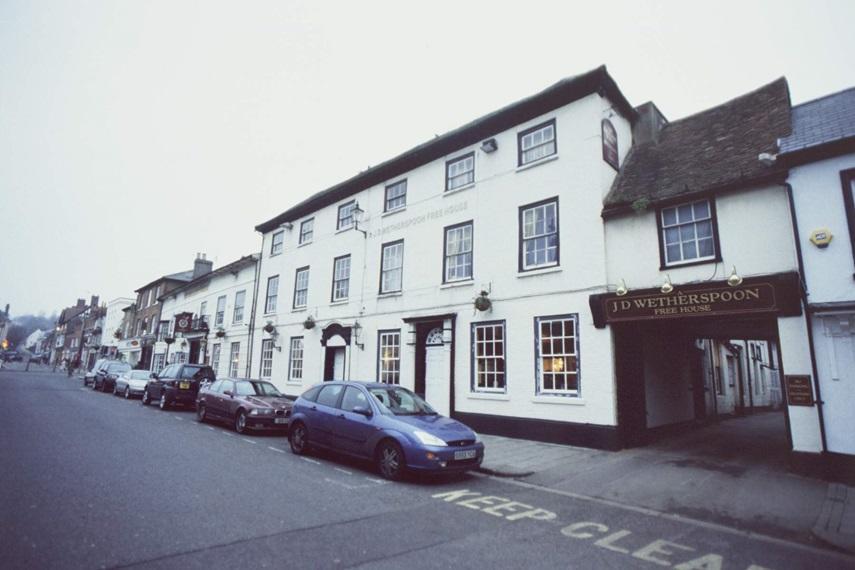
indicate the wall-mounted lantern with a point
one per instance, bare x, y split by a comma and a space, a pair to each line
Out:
309, 323
483, 302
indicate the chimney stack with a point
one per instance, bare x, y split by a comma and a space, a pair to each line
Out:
650, 123
94, 301
201, 266
81, 302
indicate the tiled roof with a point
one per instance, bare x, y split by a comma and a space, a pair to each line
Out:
712, 150
824, 120
180, 276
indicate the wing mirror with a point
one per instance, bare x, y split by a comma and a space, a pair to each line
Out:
363, 411
153, 376
229, 393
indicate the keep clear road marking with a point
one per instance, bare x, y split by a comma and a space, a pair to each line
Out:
248, 441
340, 470
310, 460
275, 449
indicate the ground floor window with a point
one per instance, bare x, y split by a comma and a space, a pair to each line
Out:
266, 359
295, 363
215, 357
488, 357
159, 361
389, 356
557, 350
234, 360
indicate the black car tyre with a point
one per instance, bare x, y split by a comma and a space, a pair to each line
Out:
390, 460
127, 392
146, 399
240, 421
298, 438
115, 389
201, 413
163, 404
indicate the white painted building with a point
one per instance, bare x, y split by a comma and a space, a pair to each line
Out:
112, 324
209, 320
377, 277
820, 154
699, 245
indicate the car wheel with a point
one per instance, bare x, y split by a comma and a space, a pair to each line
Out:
201, 413
115, 389
127, 392
146, 399
299, 439
390, 460
240, 421
163, 404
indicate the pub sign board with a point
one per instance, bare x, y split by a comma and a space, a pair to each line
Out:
799, 390
184, 322
610, 144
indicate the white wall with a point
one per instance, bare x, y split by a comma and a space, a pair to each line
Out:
113, 319
818, 197
578, 176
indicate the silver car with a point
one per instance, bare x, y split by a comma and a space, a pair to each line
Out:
131, 383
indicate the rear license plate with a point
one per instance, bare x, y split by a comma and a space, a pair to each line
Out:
280, 420
467, 454
184, 385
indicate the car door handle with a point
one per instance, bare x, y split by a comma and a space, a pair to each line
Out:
341, 416
314, 407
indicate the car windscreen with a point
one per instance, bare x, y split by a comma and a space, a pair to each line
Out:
401, 402
140, 374
265, 389
244, 389
197, 373
118, 368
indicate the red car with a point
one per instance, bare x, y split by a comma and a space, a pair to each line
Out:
246, 404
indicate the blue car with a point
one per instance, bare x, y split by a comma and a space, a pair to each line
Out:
385, 423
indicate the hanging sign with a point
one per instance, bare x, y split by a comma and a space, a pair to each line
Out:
184, 322
799, 390
610, 147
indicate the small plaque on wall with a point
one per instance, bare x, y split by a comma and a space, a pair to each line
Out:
799, 390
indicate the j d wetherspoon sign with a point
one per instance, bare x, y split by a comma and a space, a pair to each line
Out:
687, 302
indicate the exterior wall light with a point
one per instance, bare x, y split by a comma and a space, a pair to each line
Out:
621, 289
309, 323
489, 146
357, 214
667, 287
734, 280
357, 335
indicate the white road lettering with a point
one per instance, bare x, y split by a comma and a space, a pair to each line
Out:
475, 501
573, 530
657, 548
707, 562
608, 542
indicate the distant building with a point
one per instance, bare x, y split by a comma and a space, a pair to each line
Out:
113, 333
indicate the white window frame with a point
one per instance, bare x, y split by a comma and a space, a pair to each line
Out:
271, 297
345, 222
389, 356
295, 359
234, 359
216, 348
237, 312
341, 278
266, 371
301, 288
277, 243
562, 348
450, 257
220, 315
388, 270
460, 172
395, 196
537, 143
680, 224
530, 234
480, 378
306, 235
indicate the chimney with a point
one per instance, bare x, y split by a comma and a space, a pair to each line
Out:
650, 123
81, 302
94, 301
201, 266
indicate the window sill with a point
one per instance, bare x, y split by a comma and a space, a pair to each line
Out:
299, 310
545, 270
537, 162
562, 400
392, 294
275, 254
342, 230
393, 212
269, 314
293, 383
464, 283
458, 189
677, 265
339, 302
304, 243
498, 397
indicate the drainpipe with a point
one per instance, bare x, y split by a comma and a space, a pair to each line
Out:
252, 313
748, 365
808, 315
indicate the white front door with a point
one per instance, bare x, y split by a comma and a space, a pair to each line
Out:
437, 381
835, 355
338, 364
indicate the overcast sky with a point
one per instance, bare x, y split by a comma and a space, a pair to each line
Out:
134, 134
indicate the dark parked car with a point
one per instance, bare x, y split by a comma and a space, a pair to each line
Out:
245, 404
105, 378
385, 423
177, 384
89, 377
12, 356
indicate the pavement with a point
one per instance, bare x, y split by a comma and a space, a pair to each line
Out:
737, 471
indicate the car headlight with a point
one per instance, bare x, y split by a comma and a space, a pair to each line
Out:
477, 437
261, 412
428, 439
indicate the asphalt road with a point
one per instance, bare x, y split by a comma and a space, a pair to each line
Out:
88, 480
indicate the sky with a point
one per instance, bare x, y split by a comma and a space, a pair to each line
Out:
134, 134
